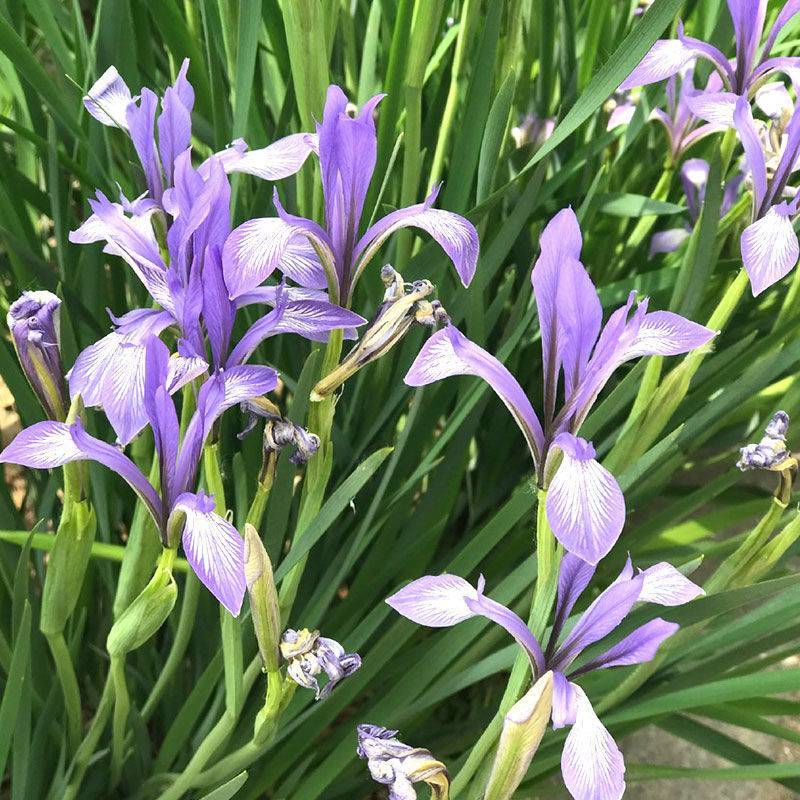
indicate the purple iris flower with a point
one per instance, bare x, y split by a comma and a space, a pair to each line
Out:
585, 506
189, 287
212, 545
347, 154
740, 76
694, 178
682, 126
110, 102
591, 763
769, 244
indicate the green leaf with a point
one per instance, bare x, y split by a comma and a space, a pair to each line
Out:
228, 789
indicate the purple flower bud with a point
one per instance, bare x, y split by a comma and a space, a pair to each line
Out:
308, 654
34, 324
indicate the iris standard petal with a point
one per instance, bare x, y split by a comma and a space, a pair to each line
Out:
665, 58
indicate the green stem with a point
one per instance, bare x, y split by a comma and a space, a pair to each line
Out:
547, 561
69, 687
120, 720
318, 472
215, 739
108, 552
87, 748
183, 634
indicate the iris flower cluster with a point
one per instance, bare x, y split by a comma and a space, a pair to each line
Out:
179, 240
769, 245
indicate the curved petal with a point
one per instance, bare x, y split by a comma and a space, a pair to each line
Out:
268, 295
585, 506
108, 99
437, 601
665, 58
637, 647
573, 577
308, 318
257, 248
602, 617
141, 120
754, 155
667, 586
273, 162
44, 445
301, 264
448, 352
512, 623
591, 763
621, 115
565, 709
769, 248
663, 333
788, 65
790, 8
715, 107
214, 549
455, 234
226, 388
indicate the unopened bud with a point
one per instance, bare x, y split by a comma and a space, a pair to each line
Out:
34, 324
145, 615
523, 729
402, 307
264, 608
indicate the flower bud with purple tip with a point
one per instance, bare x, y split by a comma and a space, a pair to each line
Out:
34, 324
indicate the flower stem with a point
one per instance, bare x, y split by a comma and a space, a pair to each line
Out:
69, 687
120, 720
183, 634
548, 556
215, 739
86, 749
318, 471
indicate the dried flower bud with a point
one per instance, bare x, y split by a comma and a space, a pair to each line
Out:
403, 305
308, 654
34, 324
399, 766
770, 453
264, 608
279, 432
